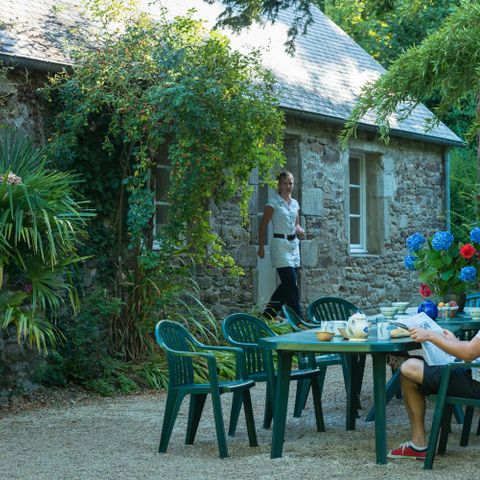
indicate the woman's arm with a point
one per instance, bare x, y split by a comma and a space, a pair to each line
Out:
298, 228
262, 231
467, 351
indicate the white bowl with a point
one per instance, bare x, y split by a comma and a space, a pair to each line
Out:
388, 312
402, 306
474, 312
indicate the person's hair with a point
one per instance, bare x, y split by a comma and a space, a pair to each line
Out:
282, 175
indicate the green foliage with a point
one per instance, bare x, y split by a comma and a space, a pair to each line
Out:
464, 192
156, 90
85, 357
445, 63
171, 83
440, 270
387, 29
41, 227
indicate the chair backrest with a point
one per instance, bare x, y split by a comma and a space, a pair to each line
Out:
173, 336
240, 329
473, 300
292, 318
330, 308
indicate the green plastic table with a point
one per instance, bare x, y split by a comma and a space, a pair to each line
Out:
306, 341
462, 322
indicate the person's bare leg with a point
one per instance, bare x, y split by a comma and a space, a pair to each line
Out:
411, 379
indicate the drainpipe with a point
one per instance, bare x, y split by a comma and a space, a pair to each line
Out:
446, 169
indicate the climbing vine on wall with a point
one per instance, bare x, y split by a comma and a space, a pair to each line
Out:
156, 86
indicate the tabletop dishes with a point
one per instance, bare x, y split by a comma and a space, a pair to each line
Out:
389, 312
401, 306
324, 336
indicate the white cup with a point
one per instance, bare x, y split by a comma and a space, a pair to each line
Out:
328, 326
338, 324
383, 331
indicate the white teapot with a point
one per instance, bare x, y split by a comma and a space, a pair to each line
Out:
357, 326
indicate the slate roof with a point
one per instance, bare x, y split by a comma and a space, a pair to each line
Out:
323, 78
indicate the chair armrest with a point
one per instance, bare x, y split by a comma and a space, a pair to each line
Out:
242, 344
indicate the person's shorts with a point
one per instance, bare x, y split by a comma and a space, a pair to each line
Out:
461, 383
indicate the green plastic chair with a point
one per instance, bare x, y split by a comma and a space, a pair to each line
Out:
334, 308
297, 324
442, 416
330, 308
244, 331
180, 347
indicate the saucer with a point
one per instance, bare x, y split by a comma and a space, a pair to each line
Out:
358, 339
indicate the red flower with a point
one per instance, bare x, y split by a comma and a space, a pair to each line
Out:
425, 290
468, 251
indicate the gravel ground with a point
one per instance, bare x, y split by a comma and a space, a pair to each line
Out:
117, 438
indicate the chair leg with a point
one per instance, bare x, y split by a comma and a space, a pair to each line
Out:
174, 401
267, 416
303, 387
219, 427
392, 388
467, 425
249, 419
434, 431
317, 403
235, 413
445, 429
397, 391
358, 380
197, 403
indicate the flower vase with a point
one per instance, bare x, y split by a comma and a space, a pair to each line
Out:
459, 298
429, 308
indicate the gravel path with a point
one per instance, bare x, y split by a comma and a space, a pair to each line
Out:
117, 438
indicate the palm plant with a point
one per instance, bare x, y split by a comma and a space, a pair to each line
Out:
41, 227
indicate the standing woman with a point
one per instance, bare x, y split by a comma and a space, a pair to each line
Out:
283, 211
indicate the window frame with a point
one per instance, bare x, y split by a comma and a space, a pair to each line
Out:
162, 164
361, 247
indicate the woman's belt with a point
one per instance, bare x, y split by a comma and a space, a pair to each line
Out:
288, 237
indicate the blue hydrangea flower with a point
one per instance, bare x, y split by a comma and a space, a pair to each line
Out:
415, 242
409, 262
468, 274
442, 241
475, 235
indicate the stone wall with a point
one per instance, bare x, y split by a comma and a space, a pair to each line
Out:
20, 104
408, 190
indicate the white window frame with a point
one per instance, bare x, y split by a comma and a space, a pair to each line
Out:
362, 246
167, 169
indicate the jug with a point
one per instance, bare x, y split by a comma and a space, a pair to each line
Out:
357, 326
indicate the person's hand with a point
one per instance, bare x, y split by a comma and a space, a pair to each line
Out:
420, 334
261, 252
299, 231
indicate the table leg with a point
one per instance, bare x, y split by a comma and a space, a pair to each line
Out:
281, 402
379, 394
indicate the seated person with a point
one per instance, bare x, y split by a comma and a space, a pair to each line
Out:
419, 380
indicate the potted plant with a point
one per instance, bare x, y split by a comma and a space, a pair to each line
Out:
448, 267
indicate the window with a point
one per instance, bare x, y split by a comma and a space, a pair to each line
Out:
366, 203
358, 204
162, 185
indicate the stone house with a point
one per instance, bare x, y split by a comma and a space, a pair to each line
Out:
357, 205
